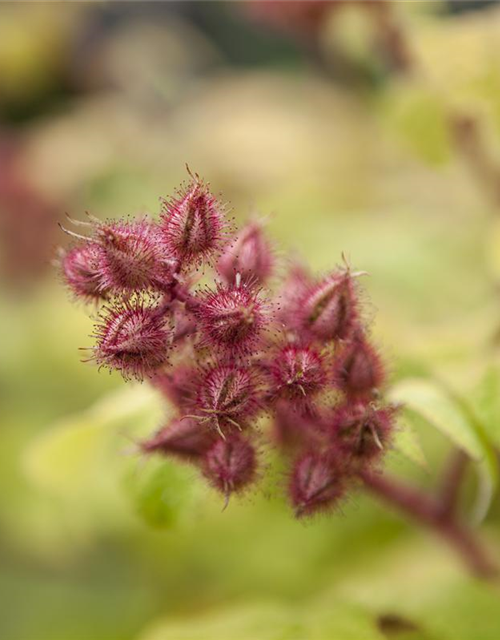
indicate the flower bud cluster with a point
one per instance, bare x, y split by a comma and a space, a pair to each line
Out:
295, 349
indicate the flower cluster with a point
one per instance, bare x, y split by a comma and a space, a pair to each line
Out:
251, 347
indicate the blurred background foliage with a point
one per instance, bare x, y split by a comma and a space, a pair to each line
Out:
346, 142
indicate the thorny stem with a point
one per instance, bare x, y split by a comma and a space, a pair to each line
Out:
427, 510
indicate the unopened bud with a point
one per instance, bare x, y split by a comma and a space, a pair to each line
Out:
132, 338
81, 270
193, 225
184, 438
328, 310
232, 317
316, 484
249, 255
359, 370
362, 433
230, 465
226, 397
297, 373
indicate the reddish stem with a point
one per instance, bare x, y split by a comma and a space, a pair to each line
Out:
428, 511
452, 483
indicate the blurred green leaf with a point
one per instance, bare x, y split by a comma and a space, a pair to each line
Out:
69, 456
273, 621
161, 491
341, 621
407, 442
420, 118
486, 402
457, 421
262, 621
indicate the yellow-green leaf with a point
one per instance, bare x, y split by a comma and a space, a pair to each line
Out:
455, 418
407, 442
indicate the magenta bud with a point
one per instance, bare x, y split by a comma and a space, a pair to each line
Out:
249, 255
358, 368
193, 226
184, 438
81, 270
362, 433
328, 310
316, 484
296, 373
133, 259
226, 397
231, 317
296, 284
132, 338
230, 465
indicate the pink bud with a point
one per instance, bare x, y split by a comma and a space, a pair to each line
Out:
296, 373
132, 338
184, 438
231, 317
296, 284
230, 465
226, 397
193, 225
362, 433
249, 255
328, 309
81, 270
316, 484
358, 368
133, 259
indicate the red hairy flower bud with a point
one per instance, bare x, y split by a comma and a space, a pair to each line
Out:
358, 368
231, 317
328, 310
316, 484
226, 397
296, 284
132, 338
193, 224
81, 270
132, 258
184, 438
296, 373
362, 432
249, 255
230, 465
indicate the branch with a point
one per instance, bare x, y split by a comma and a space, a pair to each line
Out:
451, 483
428, 511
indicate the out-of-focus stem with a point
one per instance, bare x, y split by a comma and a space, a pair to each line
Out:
392, 36
452, 482
470, 142
427, 510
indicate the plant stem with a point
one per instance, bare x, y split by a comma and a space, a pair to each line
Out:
428, 511
452, 482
